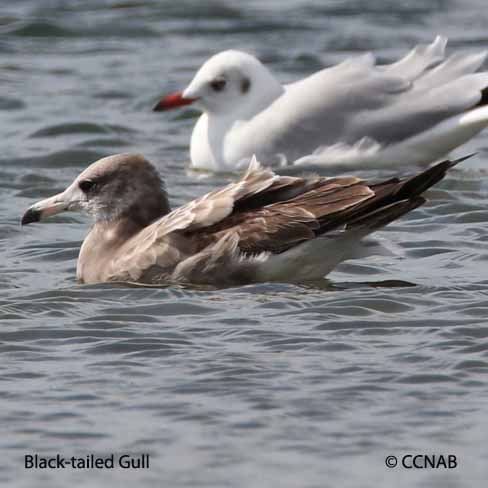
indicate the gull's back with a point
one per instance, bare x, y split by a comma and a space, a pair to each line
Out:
413, 111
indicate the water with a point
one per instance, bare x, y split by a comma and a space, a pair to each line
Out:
265, 385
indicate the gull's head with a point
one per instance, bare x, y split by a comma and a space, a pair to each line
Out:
123, 185
226, 83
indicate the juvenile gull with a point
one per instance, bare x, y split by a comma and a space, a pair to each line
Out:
263, 227
355, 114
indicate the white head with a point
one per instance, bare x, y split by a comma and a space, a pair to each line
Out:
229, 82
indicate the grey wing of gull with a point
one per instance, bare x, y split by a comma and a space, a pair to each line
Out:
358, 99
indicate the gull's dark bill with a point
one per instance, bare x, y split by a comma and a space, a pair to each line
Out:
30, 216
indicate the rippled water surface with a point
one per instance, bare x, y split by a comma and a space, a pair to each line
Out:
261, 386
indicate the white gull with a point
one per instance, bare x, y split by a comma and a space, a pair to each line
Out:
355, 114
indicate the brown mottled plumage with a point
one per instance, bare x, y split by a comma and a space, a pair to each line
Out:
260, 228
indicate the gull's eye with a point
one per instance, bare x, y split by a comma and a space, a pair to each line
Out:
87, 185
218, 84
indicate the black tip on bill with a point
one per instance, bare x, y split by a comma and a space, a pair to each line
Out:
30, 216
159, 107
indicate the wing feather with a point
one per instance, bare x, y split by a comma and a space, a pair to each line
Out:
358, 99
212, 233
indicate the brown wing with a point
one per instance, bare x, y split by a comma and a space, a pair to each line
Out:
266, 212
322, 205
279, 225
257, 187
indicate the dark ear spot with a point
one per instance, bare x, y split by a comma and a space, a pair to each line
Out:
245, 85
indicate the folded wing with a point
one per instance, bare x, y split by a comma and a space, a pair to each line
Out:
358, 99
228, 231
